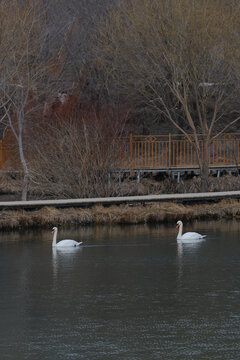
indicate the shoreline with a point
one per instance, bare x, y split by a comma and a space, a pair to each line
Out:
148, 213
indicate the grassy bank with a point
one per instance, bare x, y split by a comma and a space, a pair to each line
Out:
122, 214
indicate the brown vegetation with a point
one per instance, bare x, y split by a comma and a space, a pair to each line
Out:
175, 62
10, 186
122, 214
75, 152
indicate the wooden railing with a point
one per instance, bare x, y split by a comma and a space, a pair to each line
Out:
175, 151
161, 152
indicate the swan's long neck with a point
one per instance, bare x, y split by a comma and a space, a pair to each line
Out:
180, 230
54, 238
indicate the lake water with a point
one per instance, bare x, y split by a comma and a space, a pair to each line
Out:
130, 292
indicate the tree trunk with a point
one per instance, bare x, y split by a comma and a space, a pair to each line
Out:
19, 137
204, 165
25, 171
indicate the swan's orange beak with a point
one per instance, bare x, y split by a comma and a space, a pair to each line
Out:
177, 226
52, 231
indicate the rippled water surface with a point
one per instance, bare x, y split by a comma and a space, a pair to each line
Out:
130, 292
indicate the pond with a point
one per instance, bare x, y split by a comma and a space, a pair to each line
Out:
130, 292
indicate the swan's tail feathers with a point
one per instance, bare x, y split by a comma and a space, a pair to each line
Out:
79, 243
203, 236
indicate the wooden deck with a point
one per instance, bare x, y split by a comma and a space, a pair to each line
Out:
174, 154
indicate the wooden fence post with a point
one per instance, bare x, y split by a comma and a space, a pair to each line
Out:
131, 154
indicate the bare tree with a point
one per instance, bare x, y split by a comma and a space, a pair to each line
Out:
182, 57
24, 70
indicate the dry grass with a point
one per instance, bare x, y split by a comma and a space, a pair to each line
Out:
191, 185
139, 213
122, 214
10, 184
46, 216
228, 208
10, 187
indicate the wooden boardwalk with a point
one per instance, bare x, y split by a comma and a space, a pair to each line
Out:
107, 201
173, 155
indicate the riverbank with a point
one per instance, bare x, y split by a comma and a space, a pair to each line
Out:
164, 212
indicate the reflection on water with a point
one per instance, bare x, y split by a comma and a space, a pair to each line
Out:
185, 251
64, 257
130, 292
101, 233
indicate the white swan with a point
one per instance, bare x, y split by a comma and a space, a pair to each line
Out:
189, 236
63, 243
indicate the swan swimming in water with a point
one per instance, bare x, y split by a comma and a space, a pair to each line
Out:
63, 243
189, 236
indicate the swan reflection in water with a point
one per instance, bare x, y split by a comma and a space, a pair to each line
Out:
185, 254
63, 259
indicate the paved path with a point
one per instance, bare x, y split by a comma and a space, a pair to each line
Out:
88, 202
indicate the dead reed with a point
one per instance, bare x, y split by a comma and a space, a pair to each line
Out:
123, 214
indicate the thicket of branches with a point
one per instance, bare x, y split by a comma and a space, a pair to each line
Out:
72, 157
173, 63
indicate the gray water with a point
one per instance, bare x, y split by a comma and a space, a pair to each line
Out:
130, 292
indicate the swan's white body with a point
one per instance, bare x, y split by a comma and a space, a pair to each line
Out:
63, 243
188, 237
